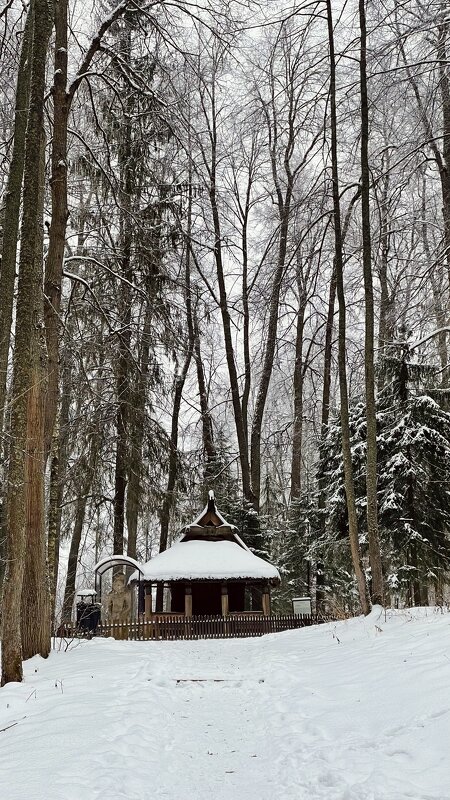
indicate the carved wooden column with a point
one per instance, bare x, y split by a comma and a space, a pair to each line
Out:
148, 601
225, 603
266, 601
188, 600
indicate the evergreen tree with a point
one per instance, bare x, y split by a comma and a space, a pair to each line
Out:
413, 438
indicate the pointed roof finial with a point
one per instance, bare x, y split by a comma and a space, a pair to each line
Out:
211, 504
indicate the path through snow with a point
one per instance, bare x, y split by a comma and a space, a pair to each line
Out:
359, 710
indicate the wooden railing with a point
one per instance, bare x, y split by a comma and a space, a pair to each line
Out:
171, 626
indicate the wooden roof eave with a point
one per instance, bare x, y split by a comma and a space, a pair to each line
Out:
209, 530
253, 581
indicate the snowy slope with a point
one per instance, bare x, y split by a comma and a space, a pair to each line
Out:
357, 710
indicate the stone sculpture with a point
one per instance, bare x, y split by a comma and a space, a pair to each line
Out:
119, 600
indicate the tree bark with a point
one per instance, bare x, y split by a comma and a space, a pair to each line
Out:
136, 430
126, 268
58, 467
325, 416
436, 276
386, 325
9, 248
209, 448
35, 626
229, 350
167, 503
178, 386
12, 209
297, 432
245, 213
343, 389
369, 365
442, 159
269, 354
28, 331
87, 468
326, 393
58, 222
443, 30
211, 167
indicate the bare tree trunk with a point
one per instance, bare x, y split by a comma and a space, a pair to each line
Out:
229, 351
211, 166
12, 209
297, 433
57, 232
58, 466
178, 386
326, 393
269, 355
35, 626
9, 249
386, 326
136, 428
245, 213
133, 487
35, 606
87, 468
343, 389
435, 272
371, 415
123, 366
54, 520
72, 564
167, 503
442, 159
325, 416
209, 449
121, 466
443, 30
285, 168
25, 394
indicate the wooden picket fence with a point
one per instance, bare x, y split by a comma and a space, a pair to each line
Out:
171, 626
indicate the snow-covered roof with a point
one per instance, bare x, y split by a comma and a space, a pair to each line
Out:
200, 559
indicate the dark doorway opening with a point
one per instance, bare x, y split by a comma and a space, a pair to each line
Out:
206, 598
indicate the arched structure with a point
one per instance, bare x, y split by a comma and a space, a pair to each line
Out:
117, 560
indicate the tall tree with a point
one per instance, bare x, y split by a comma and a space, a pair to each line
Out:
369, 363
343, 387
35, 622
126, 158
289, 152
59, 215
26, 442
12, 208
11, 221
63, 97
209, 97
178, 387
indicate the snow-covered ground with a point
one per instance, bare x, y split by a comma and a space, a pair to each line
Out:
357, 710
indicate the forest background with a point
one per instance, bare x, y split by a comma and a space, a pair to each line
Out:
225, 265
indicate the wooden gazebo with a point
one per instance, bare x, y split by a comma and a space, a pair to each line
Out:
209, 571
